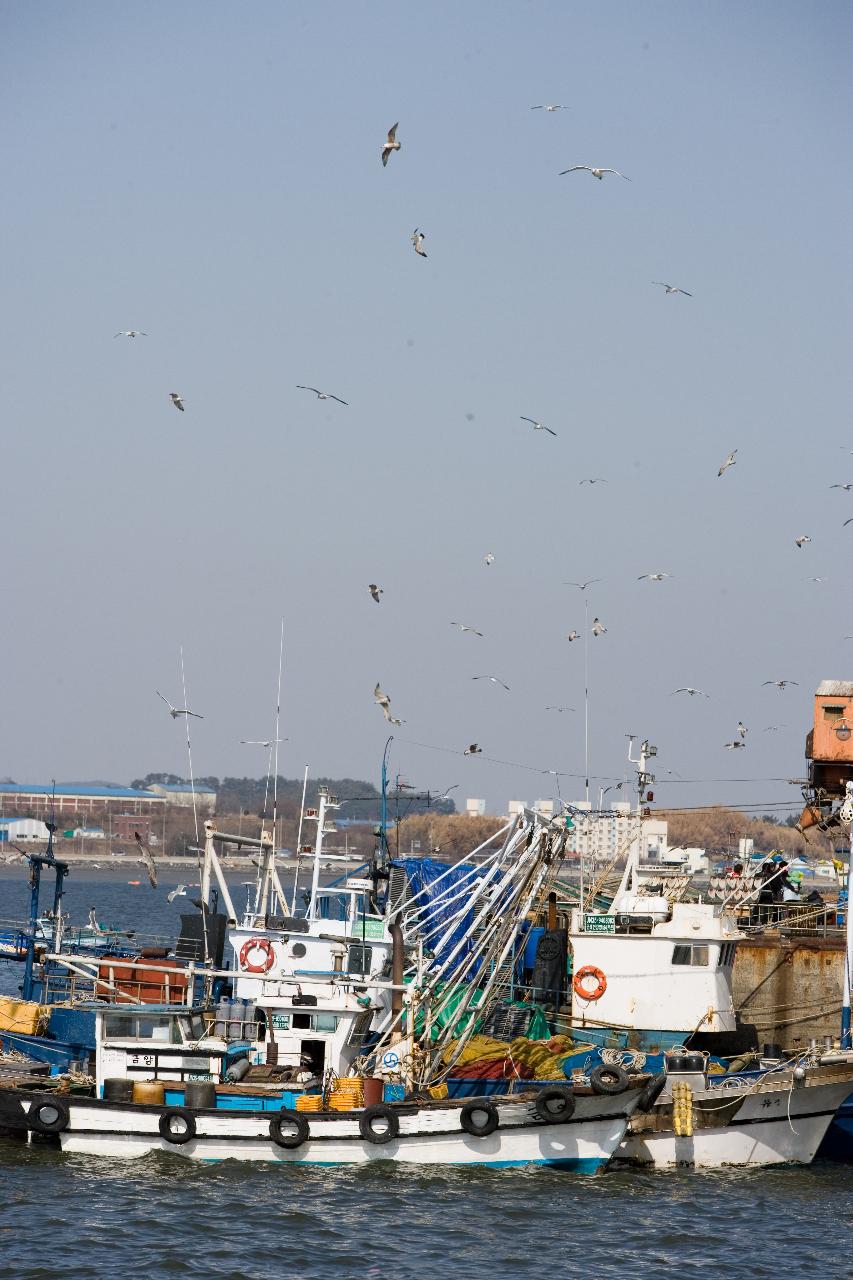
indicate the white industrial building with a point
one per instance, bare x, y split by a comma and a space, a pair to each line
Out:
15, 830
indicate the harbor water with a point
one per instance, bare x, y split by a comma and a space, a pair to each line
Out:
66, 1216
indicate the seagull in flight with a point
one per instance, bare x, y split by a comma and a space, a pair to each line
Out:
548, 106
174, 712
742, 729
802, 540
473, 750
846, 522
598, 627
573, 635
817, 579
418, 242
593, 480
260, 742
391, 144
375, 591
447, 791
688, 688
729, 462
780, 684
464, 627
494, 680
130, 333
180, 891
321, 395
537, 426
385, 703
488, 559
582, 586
671, 288
559, 708
147, 859
177, 400
654, 577
734, 745
846, 487
596, 173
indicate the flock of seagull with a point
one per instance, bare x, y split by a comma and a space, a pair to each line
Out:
597, 628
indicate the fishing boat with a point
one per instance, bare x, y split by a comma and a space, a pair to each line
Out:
574, 1129
776, 1116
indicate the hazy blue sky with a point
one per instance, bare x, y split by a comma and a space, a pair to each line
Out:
210, 173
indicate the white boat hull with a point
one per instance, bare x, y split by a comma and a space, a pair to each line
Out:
779, 1121
428, 1135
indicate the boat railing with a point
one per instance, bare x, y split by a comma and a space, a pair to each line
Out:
814, 919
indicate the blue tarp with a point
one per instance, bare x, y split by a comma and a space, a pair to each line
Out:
422, 874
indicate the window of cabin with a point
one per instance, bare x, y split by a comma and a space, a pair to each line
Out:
833, 711
689, 953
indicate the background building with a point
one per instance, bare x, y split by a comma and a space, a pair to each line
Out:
30, 800
15, 830
180, 793
607, 836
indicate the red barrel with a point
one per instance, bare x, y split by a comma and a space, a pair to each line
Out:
374, 1089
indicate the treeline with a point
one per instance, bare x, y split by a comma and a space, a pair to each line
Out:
719, 831
254, 796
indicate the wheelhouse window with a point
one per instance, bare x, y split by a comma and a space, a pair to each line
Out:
131, 1026
359, 958
690, 953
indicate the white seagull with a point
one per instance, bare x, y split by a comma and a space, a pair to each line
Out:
687, 688
654, 577
174, 712
780, 684
537, 426
473, 750
582, 586
385, 703
671, 288
846, 487
729, 462
375, 591
488, 559
733, 746
846, 522
180, 891
147, 859
494, 680
464, 627
321, 395
130, 333
418, 242
598, 627
802, 540
742, 729
391, 144
177, 400
596, 173
573, 635
593, 480
548, 106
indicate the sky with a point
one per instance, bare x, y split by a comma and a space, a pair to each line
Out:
210, 174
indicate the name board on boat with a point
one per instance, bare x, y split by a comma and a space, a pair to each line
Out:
373, 929
359, 884
281, 1022
593, 923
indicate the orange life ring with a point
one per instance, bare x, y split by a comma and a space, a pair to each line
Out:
257, 944
589, 971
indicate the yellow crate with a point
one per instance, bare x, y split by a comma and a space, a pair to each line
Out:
23, 1016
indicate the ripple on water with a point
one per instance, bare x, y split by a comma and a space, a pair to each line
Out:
80, 1218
